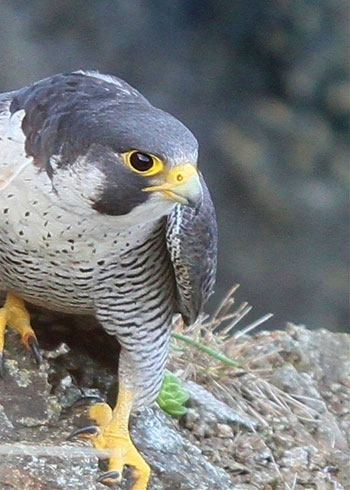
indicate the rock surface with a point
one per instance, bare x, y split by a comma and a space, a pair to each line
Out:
252, 443
33, 412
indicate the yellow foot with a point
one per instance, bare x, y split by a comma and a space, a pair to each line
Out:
111, 435
15, 315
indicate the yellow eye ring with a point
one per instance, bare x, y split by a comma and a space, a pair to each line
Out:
143, 163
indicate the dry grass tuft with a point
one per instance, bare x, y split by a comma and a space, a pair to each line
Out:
217, 351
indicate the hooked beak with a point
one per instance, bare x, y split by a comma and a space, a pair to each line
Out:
182, 185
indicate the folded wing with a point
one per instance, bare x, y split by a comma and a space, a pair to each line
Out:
192, 245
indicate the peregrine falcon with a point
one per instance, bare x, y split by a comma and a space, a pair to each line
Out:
103, 211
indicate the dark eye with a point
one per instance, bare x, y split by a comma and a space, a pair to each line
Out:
141, 161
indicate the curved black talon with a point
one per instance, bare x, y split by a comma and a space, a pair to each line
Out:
33, 345
109, 478
89, 430
2, 366
82, 402
86, 400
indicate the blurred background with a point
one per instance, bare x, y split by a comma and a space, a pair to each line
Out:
263, 85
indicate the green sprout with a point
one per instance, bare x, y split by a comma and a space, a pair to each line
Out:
173, 396
204, 348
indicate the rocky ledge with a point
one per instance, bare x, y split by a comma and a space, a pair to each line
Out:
287, 430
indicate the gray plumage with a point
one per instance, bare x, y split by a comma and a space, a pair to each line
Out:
77, 232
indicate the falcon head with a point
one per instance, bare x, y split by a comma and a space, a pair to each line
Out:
106, 149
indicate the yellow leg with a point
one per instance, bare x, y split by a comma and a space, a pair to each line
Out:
113, 435
15, 315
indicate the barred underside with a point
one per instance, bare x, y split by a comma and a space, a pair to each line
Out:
136, 302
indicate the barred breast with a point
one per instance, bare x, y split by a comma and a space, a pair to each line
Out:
66, 265
126, 279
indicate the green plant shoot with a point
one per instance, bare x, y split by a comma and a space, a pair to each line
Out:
173, 396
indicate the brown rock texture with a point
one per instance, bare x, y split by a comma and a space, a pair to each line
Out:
289, 429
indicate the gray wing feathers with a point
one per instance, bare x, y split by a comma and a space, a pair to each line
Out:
5, 101
192, 243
